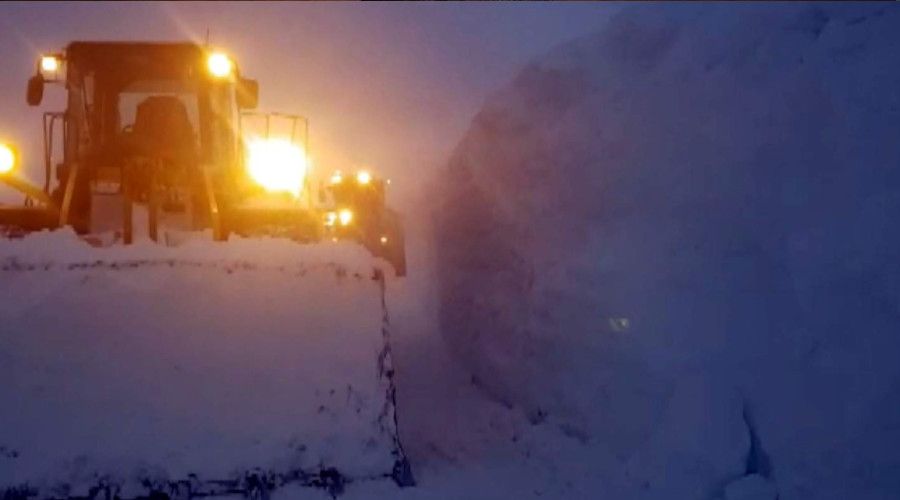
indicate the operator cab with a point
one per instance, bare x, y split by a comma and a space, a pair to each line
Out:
144, 117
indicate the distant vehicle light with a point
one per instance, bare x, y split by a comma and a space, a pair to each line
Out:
619, 324
49, 64
277, 165
384, 240
363, 177
219, 65
7, 159
337, 178
345, 216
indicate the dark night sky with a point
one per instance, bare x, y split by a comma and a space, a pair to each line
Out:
389, 85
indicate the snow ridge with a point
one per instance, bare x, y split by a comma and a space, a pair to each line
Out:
148, 280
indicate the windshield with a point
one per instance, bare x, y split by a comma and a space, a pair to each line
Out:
142, 92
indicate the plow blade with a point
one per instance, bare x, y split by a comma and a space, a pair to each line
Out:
137, 373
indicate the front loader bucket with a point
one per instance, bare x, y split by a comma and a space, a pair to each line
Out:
201, 371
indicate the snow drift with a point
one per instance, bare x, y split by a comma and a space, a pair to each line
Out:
198, 370
676, 240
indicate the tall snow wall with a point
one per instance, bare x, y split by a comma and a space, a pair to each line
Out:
686, 225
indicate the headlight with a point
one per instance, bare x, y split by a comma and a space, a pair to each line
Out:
7, 159
277, 165
337, 178
345, 216
363, 177
219, 65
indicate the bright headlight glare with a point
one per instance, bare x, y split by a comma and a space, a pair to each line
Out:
337, 178
49, 63
345, 216
277, 165
7, 159
363, 177
219, 65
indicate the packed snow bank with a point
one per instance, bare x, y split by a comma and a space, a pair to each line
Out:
64, 247
703, 190
192, 370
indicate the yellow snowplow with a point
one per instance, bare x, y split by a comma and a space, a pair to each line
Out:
170, 128
141, 357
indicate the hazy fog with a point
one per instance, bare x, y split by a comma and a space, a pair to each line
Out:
388, 85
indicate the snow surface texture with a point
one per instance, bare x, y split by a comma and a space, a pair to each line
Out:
676, 241
195, 370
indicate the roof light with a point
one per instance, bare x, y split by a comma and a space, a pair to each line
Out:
50, 67
219, 65
49, 64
